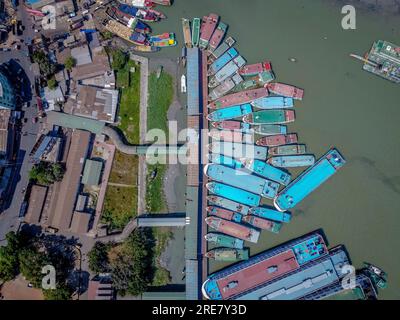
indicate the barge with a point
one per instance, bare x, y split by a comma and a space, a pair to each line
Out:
228, 204
228, 254
239, 150
292, 161
270, 117
229, 136
234, 194
271, 214
226, 161
270, 129
230, 112
232, 125
208, 25
273, 103
267, 171
286, 90
196, 32
262, 223
238, 98
222, 89
223, 240
224, 214
228, 43
277, 140
227, 71
288, 149
187, 35
254, 69
309, 180
217, 36
222, 61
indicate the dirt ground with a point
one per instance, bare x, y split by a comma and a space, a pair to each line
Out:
18, 290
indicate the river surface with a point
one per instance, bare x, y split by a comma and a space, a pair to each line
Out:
355, 111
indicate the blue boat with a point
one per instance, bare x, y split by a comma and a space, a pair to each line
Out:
224, 160
230, 112
265, 170
309, 180
222, 61
239, 150
271, 214
242, 180
273, 103
234, 194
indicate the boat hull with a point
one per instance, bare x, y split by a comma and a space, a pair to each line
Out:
292, 161
285, 150
270, 117
277, 140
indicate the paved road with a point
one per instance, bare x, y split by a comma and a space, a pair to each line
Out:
9, 217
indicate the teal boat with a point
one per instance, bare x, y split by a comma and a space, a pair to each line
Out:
270, 129
239, 150
196, 32
271, 214
265, 170
287, 149
234, 194
241, 179
224, 160
228, 254
273, 103
270, 117
228, 204
292, 161
224, 240
309, 180
230, 112
222, 61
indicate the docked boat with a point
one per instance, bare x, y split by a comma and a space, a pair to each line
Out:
273, 103
277, 140
224, 214
267, 171
139, 26
242, 180
217, 36
228, 254
233, 229
208, 25
196, 32
286, 150
270, 117
309, 180
147, 49
139, 39
147, 15
223, 240
254, 69
239, 150
257, 81
238, 98
226, 161
228, 43
227, 71
228, 204
143, 4
292, 161
270, 129
232, 125
271, 214
230, 112
226, 135
163, 40
234, 194
187, 35
286, 90
263, 224
222, 89
222, 61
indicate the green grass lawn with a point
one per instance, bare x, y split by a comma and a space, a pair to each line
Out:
129, 107
162, 276
161, 93
155, 198
124, 169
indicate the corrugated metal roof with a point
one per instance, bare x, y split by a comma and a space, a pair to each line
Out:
74, 122
193, 83
191, 230
92, 172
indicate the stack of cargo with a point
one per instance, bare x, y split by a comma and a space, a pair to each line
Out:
250, 146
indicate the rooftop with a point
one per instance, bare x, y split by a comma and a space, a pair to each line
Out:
74, 122
92, 172
36, 203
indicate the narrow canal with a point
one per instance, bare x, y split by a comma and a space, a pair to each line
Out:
343, 106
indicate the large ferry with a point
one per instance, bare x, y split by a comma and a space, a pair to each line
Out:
222, 61
292, 161
262, 223
242, 180
228, 204
238, 98
286, 90
254, 69
208, 25
309, 180
233, 229
267, 171
230, 112
277, 140
270, 117
217, 36
234, 194
273, 103
224, 214
223, 240
239, 150
271, 214
227, 71
244, 279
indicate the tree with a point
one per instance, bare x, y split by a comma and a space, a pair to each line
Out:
61, 292
46, 66
70, 62
98, 258
46, 174
9, 257
52, 83
119, 59
31, 262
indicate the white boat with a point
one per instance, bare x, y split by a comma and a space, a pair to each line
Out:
183, 84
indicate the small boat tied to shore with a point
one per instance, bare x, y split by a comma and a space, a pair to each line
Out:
273, 103
270, 129
228, 254
224, 240
270, 117
232, 125
288, 149
285, 90
292, 161
262, 223
228, 204
277, 140
196, 32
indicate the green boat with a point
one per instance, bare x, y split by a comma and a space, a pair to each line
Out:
377, 275
224, 240
196, 32
286, 150
270, 117
228, 254
383, 60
